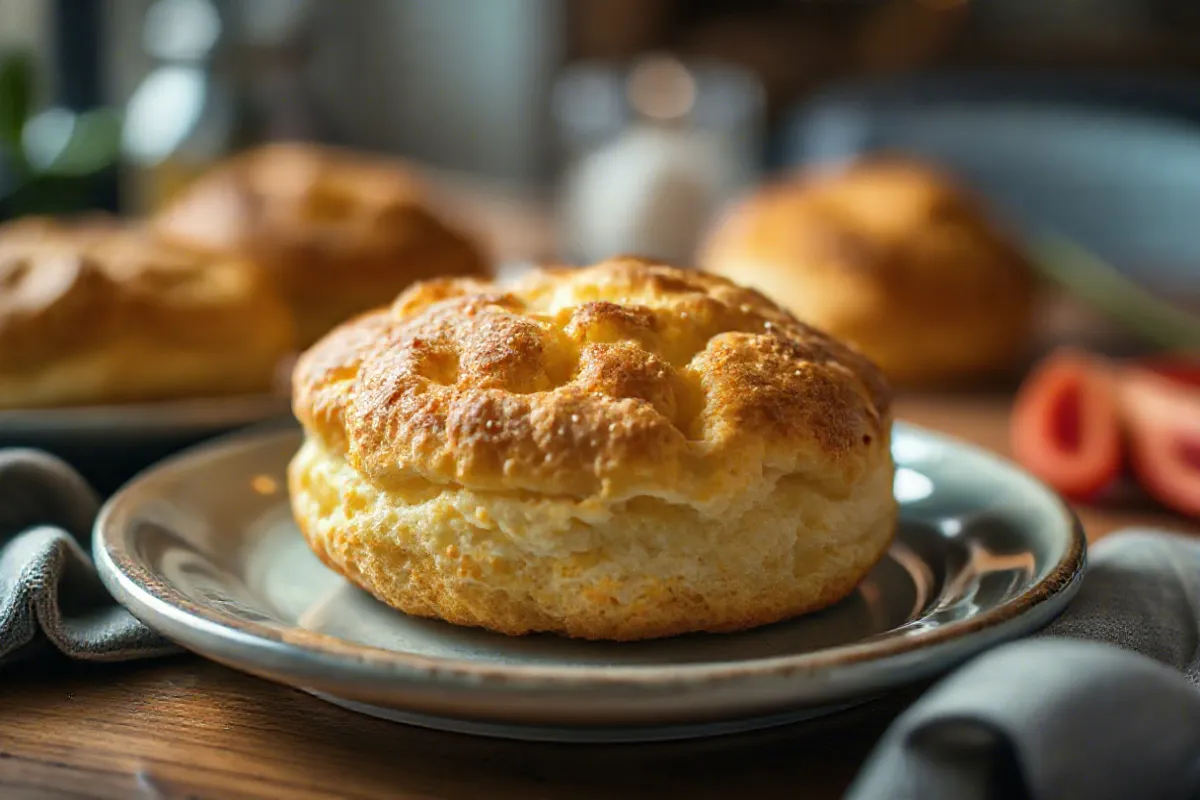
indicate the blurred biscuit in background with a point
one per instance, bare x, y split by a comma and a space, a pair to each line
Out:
94, 311
340, 232
890, 255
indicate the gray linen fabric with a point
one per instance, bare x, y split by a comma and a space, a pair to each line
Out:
49, 591
1103, 704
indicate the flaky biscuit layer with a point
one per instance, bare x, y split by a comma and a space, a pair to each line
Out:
636, 569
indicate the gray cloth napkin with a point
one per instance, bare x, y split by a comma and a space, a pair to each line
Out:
1103, 704
49, 591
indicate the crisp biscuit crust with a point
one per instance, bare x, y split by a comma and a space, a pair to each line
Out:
890, 255
623, 451
340, 232
94, 311
622, 379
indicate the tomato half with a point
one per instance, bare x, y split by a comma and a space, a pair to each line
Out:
1177, 369
1065, 426
1162, 415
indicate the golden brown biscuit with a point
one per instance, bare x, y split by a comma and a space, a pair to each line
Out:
342, 233
622, 451
888, 255
94, 312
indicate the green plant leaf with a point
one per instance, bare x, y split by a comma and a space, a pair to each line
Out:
1106, 289
94, 144
16, 96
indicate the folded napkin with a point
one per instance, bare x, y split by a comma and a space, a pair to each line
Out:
1058, 717
49, 591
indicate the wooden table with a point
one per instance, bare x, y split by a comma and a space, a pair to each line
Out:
184, 727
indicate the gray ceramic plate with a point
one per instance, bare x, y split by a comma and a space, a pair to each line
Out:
203, 549
138, 422
110, 444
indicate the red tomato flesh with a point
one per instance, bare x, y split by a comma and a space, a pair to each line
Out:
1163, 419
1180, 370
1065, 427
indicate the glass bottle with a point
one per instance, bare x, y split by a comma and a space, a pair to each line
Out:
184, 116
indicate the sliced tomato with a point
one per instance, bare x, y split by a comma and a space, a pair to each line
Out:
1177, 369
1065, 427
1162, 415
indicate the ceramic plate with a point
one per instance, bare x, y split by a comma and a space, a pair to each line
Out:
203, 549
140, 421
110, 444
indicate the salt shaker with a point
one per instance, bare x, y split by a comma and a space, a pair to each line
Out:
653, 188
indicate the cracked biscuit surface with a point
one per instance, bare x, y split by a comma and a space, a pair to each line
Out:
622, 451
339, 232
93, 311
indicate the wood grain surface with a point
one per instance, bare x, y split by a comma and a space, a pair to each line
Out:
184, 727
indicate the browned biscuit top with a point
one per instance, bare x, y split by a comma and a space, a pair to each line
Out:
293, 204
621, 379
902, 226
68, 286
339, 232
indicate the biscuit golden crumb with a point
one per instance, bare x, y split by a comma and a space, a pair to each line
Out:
622, 451
890, 255
93, 311
340, 232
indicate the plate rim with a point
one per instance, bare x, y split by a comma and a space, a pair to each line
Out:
145, 595
199, 413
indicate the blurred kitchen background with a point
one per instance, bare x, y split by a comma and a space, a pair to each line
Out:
597, 125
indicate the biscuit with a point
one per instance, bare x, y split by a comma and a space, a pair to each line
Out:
340, 232
891, 256
96, 312
622, 451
